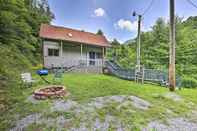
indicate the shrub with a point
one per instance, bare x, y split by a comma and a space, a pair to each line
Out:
189, 82
37, 67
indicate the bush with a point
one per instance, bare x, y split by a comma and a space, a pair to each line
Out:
189, 82
37, 67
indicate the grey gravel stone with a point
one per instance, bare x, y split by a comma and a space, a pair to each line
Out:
172, 96
89, 120
118, 98
97, 104
139, 103
61, 105
177, 124
26, 121
31, 99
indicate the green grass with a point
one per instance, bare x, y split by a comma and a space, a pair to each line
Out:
83, 87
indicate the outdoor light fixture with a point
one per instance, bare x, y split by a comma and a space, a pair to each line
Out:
70, 34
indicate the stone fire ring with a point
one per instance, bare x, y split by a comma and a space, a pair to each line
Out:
52, 91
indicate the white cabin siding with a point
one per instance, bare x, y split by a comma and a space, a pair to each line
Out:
71, 54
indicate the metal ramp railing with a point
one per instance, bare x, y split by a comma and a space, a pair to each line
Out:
151, 75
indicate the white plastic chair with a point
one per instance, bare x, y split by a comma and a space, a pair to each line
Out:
27, 79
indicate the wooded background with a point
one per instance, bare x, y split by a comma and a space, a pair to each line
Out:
155, 49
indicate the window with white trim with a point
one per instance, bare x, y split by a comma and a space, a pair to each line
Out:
53, 52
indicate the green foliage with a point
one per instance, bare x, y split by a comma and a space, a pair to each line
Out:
99, 32
19, 42
123, 54
20, 46
189, 82
155, 47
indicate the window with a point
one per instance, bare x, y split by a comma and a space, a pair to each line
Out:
53, 52
92, 56
99, 55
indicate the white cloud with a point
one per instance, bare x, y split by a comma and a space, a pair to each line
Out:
126, 25
99, 12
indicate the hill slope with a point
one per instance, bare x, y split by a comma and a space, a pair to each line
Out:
20, 46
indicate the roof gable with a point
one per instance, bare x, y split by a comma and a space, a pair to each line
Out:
67, 34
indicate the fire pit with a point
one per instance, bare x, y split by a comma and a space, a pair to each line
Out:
53, 91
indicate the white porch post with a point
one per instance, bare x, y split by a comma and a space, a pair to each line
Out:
103, 60
81, 51
61, 52
81, 61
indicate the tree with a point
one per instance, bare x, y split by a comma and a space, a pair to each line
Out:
154, 51
156, 45
100, 32
19, 27
20, 44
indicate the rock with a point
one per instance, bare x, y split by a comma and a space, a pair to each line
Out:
31, 99
86, 113
177, 124
26, 121
110, 121
61, 105
124, 104
139, 103
61, 122
118, 98
97, 104
172, 96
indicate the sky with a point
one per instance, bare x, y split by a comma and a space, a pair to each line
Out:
114, 17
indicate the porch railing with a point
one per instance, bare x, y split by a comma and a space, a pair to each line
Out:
64, 62
91, 62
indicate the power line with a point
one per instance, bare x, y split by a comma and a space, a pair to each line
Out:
192, 3
148, 7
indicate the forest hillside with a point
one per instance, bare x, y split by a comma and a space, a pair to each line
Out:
155, 49
20, 46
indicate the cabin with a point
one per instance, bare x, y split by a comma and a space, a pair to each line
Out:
69, 48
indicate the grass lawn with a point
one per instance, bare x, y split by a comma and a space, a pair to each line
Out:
84, 87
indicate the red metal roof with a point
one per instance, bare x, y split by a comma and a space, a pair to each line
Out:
66, 34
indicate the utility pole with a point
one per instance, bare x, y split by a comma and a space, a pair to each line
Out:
172, 47
139, 71
139, 41
138, 63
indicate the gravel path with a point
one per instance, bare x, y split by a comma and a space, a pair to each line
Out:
86, 116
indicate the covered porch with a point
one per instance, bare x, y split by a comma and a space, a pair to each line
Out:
71, 54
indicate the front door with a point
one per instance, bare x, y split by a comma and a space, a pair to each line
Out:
92, 57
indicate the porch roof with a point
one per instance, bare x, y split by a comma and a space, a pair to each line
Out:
72, 35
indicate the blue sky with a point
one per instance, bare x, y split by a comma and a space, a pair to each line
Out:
113, 17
